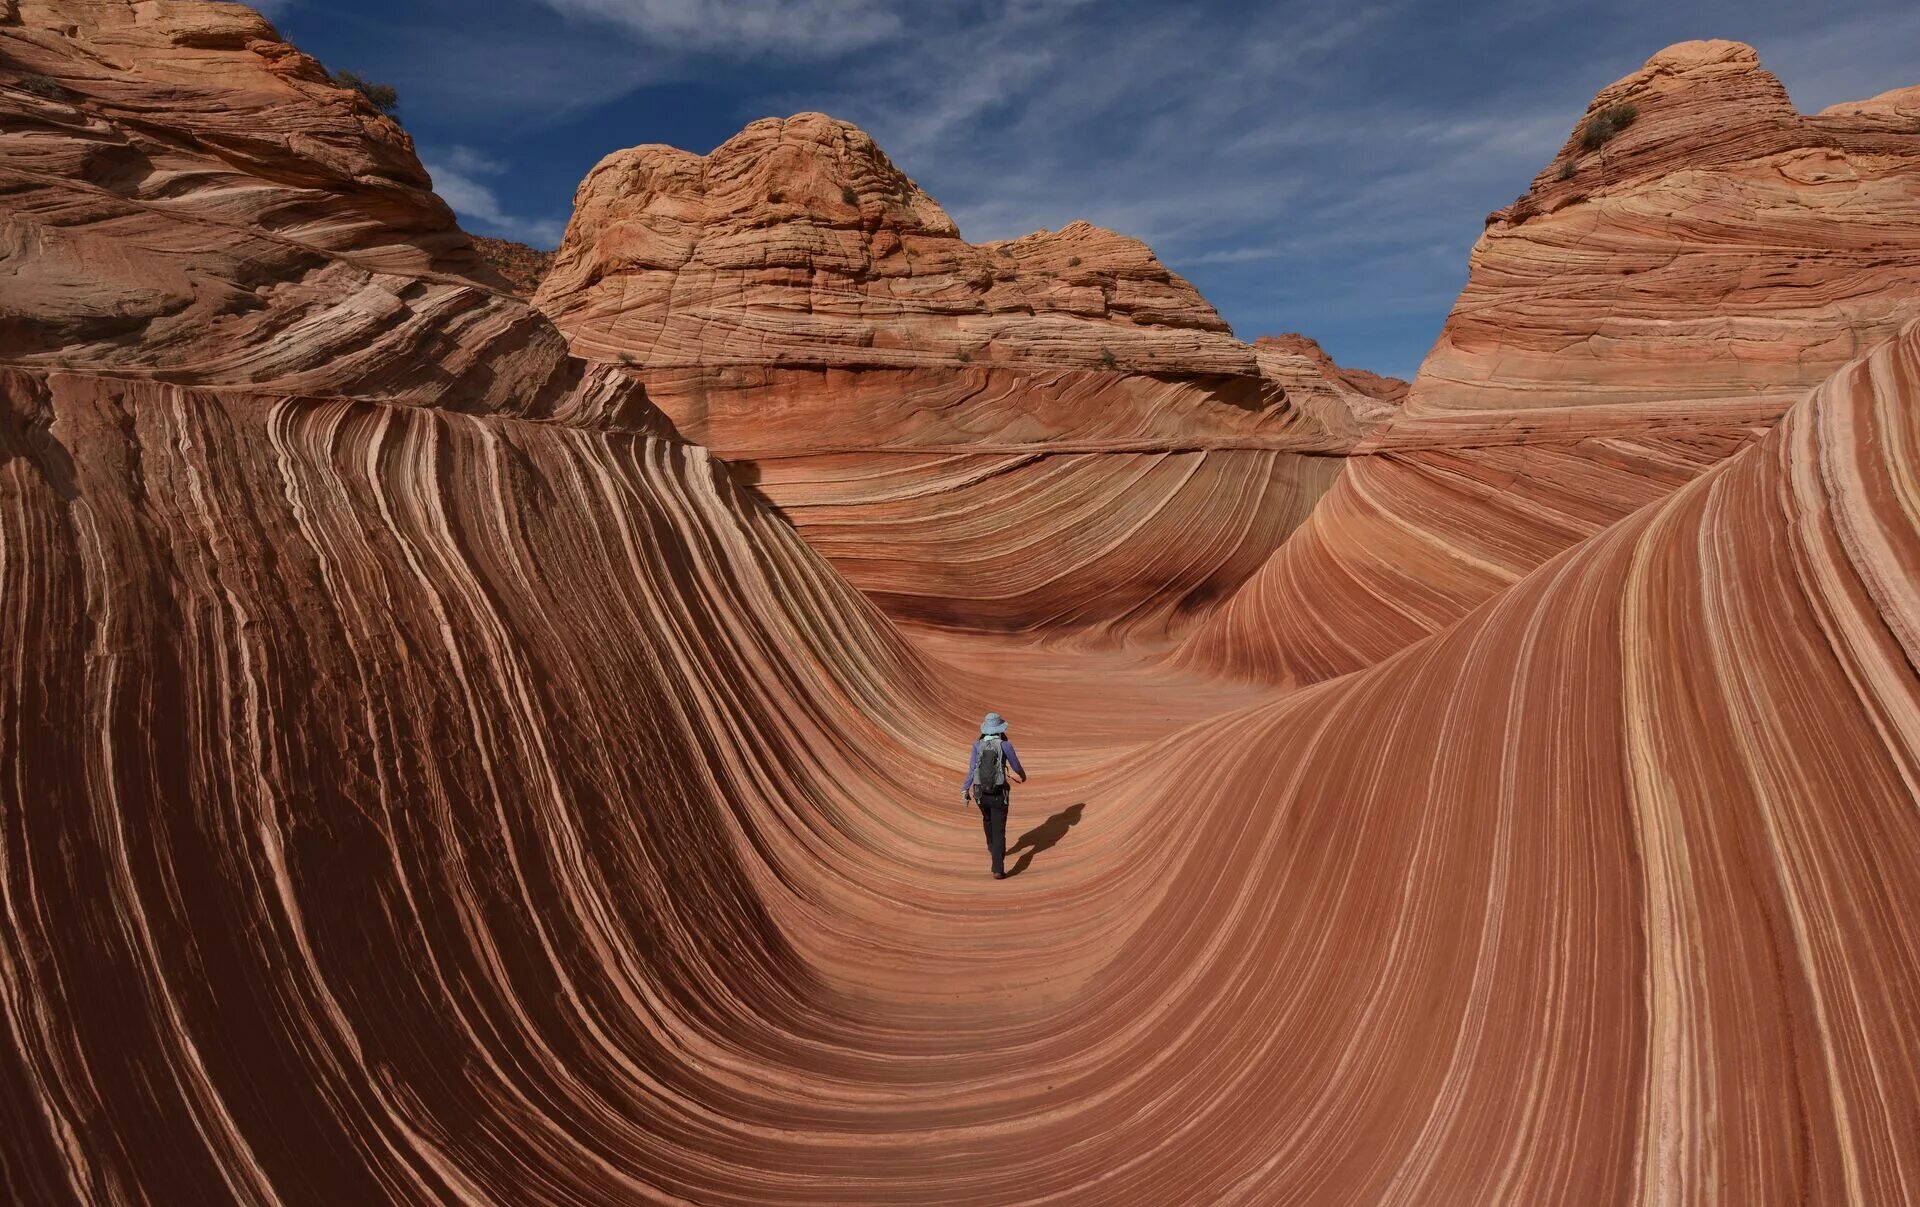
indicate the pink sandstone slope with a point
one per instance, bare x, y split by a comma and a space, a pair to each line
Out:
426, 778
1721, 253
794, 300
797, 242
1621, 330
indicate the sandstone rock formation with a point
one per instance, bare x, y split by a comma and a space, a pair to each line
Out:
268, 228
795, 301
1347, 404
1622, 329
750, 283
426, 777
522, 267
1718, 256
797, 242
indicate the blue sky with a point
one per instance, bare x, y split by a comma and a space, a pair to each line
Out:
1320, 166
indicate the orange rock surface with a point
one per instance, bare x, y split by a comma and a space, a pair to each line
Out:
797, 242
522, 267
425, 776
796, 302
1622, 329
1722, 252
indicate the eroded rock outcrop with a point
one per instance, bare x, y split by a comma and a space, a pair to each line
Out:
1345, 404
762, 287
1716, 257
1622, 328
794, 300
189, 198
522, 267
423, 785
798, 243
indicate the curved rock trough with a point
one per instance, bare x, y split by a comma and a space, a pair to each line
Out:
458, 749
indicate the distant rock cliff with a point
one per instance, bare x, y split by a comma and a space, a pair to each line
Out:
795, 300
522, 267
1695, 258
1720, 254
427, 777
797, 242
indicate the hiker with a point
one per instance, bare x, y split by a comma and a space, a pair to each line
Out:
993, 758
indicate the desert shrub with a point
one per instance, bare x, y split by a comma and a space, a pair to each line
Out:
1107, 358
40, 85
963, 356
1567, 170
626, 358
380, 96
1603, 125
848, 195
1073, 261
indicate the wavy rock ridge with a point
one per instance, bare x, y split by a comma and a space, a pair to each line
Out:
425, 777
795, 300
1622, 328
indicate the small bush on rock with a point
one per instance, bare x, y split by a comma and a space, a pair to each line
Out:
1602, 126
380, 96
848, 195
40, 85
1567, 170
1107, 358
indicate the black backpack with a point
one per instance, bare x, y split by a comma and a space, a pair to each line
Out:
991, 772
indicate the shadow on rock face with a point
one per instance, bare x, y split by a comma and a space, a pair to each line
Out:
1043, 836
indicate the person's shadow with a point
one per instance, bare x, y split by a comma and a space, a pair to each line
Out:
1043, 836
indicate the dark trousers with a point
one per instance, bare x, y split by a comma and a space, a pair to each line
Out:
993, 815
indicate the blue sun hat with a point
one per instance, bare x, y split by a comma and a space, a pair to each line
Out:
994, 725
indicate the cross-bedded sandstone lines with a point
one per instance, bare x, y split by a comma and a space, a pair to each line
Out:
1720, 251
1406, 543
425, 776
1605, 742
1623, 327
1100, 545
1051, 434
1668, 779
329, 769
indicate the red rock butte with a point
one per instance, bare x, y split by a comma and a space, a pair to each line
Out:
458, 747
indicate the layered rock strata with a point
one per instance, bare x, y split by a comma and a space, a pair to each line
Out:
1722, 251
799, 243
1649, 305
795, 301
424, 786
522, 267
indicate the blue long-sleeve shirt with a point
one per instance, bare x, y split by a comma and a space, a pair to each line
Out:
973, 763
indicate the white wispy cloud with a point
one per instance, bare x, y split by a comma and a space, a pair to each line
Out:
456, 172
1294, 160
789, 27
1848, 58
